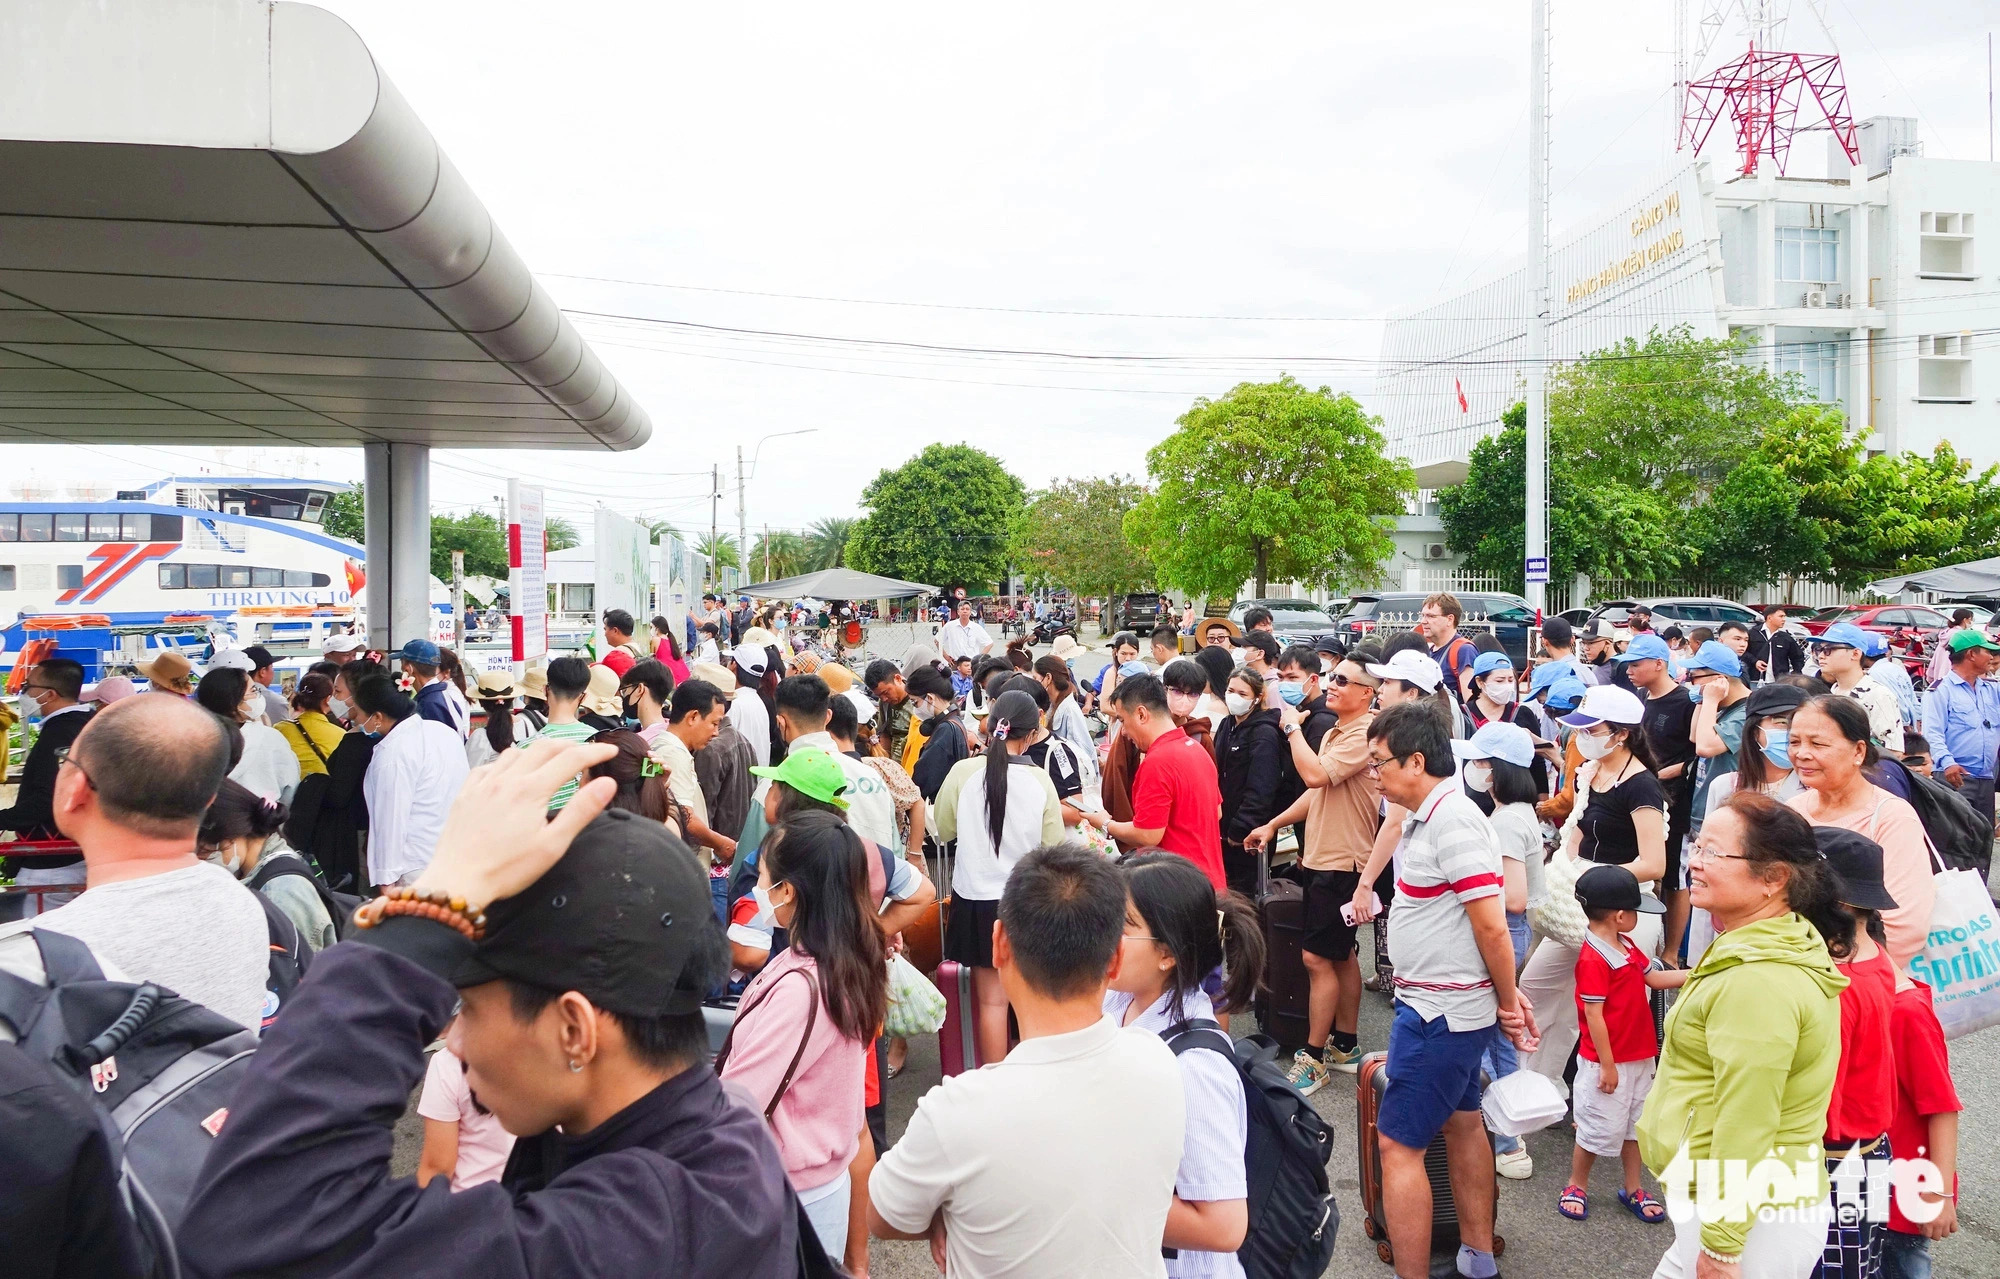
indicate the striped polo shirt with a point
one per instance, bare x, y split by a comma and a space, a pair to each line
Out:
1449, 856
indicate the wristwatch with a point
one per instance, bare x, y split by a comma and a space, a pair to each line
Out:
1292, 727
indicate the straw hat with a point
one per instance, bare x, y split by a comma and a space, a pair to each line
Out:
170, 669
602, 695
761, 637
496, 686
710, 673
1207, 624
1065, 646
535, 683
838, 678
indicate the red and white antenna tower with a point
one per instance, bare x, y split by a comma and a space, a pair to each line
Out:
1763, 90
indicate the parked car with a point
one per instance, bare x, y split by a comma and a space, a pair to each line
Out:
1686, 612
1576, 617
1139, 612
1983, 611
1886, 619
1509, 617
1292, 621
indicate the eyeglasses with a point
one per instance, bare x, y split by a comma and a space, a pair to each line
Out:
1140, 937
1705, 853
63, 757
1375, 762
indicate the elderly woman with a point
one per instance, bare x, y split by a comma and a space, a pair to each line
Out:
1830, 751
1747, 1068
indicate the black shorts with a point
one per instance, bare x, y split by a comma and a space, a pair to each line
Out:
1327, 934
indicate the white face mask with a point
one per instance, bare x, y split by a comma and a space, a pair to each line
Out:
1593, 746
767, 915
1237, 703
1501, 689
1479, 777
336, 707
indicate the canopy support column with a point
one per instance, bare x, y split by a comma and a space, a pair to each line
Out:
396, 514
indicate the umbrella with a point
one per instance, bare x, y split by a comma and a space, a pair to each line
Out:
1974, 577
839, 584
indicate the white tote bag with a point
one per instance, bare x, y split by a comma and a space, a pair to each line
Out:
1960, 960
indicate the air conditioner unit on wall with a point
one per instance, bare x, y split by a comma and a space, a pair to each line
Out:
1436, 551
1815, 297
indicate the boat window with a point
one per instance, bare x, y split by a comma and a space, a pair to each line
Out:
10, 528
315, 507
38, 528
69, 577
173, 577
6, 577
136, 528
203, 576
233, 576
72, 527
166, 528
267, 577
286, 511
104, 528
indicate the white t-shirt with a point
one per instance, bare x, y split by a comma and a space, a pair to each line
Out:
1519, 833
871, 810
269, 766
195, 930
1033, 820
1059, 1160
752, 719
958, 639
1218, 1125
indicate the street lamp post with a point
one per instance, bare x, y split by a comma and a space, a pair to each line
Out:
742, 521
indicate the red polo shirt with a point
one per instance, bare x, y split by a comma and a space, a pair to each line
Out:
1176, 791
1923, 1083
1864, 1086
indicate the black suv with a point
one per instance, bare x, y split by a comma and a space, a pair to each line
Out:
1138, 612
1292, 621
1509, 617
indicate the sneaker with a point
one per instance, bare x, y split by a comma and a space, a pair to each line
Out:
1307, 1074
1344, 1062
1515, 1165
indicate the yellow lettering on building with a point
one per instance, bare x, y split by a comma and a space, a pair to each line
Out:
1652, 217
1631, 264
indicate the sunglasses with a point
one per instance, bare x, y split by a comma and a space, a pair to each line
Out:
1342, 681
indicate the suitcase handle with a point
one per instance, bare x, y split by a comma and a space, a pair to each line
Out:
106, 1045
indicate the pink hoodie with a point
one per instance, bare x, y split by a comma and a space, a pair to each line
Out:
818, 1121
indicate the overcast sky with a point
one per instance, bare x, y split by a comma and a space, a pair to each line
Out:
1328, 163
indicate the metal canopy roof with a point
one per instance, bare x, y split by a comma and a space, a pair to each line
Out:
221, 224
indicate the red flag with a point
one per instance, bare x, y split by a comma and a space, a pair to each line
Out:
356, 578
1463, 405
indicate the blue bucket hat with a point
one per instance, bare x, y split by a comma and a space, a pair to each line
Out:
1487, 663
1645, 646
1566, 694
1718, 657
1548, 674
1843, 635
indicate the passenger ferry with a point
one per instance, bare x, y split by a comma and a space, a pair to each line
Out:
186, 562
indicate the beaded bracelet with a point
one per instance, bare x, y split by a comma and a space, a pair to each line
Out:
440, 906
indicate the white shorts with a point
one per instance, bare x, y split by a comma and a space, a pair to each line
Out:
1605, 1121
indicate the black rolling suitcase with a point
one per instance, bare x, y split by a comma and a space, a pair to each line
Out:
1283, 1000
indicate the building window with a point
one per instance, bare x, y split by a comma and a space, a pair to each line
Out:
1810, 254
1818, 367
69, 577
1944, 369
6, 577
1944, 246
579, 597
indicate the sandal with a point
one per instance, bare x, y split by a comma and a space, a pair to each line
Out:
1641, 1204
1574, 1203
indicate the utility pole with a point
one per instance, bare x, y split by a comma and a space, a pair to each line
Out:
742, 530
1536, 567
714, 530
767, 552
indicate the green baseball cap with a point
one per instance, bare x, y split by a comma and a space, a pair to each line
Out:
812, 773
1972, 639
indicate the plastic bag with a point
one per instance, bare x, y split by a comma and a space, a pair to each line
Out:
915, 1006
1960, 960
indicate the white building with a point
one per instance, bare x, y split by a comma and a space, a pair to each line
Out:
1867, 285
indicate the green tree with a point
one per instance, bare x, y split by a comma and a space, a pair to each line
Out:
720, 549
479, 534
661, 530
943, 517
826, 542
1779, 512
1073, 534
1270, 481
343, 516
777, 555
560, 532
1915, 512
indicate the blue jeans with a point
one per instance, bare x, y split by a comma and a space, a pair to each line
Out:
1500, 1057
718, 892
1905, 1256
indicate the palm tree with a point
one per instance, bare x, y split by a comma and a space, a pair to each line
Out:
722, 551
779, 554
660, 530
827, 542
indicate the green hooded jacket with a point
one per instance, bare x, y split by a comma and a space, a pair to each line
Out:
1747, 1068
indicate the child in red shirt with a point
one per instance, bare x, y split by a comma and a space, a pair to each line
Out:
1925, 1126
1616, 1056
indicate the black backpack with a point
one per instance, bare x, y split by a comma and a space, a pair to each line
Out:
340, 907
158, 1070
1293, 1218
1962, 837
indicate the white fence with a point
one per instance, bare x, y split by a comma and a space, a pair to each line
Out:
1562, 596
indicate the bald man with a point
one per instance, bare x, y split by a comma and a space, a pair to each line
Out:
131, 793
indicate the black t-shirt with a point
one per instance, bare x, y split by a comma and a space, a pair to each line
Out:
1059, 762
1608, 835
1669, 728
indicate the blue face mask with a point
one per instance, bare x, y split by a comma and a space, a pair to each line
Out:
1291, 694
1778, 747
1694, 693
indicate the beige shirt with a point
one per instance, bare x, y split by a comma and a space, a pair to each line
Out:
1342, 816
672, 754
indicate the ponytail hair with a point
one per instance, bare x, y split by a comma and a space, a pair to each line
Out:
1014, 717
237, 812
1201, 928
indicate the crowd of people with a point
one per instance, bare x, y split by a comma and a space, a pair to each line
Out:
533, 897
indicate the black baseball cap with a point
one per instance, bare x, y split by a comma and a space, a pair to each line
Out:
1614, 888
1857, 862
618, 920
260, 655
1330, 644
1558, 631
